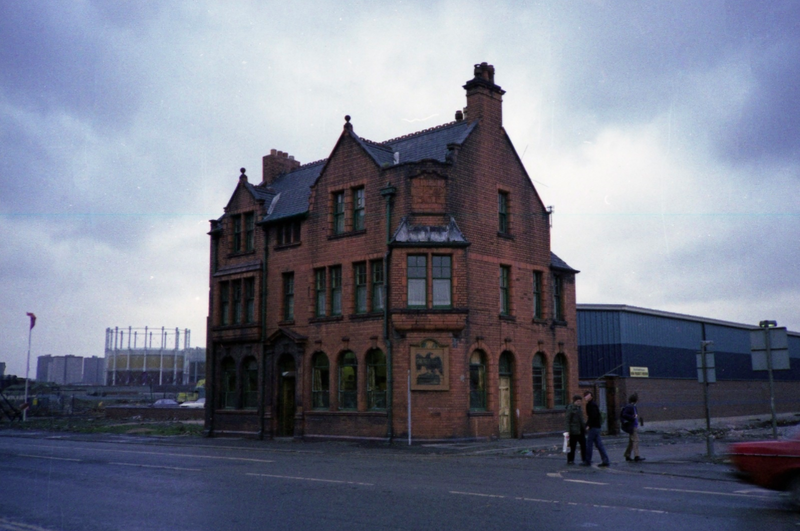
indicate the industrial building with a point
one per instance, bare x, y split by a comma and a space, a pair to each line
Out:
626, 349
152, 356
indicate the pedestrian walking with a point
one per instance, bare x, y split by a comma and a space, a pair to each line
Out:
630, 422
576, 429
593, 424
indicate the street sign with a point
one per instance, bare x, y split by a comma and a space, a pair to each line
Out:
778, 348
710, 367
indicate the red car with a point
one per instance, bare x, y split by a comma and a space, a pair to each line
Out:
770, 464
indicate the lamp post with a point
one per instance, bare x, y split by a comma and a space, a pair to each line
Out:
28, 367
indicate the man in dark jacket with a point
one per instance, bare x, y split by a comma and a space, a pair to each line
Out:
594, 423
630, 421
576, 430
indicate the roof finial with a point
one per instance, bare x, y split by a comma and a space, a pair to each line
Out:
347, 124
242, 177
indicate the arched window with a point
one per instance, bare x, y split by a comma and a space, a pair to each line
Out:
250, 398
320, 384
228, 383
560, 381
477, 381
539, 381
376, 379
348, 381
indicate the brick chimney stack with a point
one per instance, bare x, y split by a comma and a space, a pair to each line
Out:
484, 98
275, 163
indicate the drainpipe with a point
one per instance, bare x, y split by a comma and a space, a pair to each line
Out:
210, 372
263, 334
388, 193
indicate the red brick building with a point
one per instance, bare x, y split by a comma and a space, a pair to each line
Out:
417, 269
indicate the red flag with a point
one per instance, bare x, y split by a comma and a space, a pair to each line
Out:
33, 320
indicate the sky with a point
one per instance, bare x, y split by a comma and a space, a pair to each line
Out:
665, 135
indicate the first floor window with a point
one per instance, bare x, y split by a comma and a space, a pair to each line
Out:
348, 383
250, 384
358, 209
417, 276
538, 311
320, 292
360, 281
237, 234
224, 303
338, 213
502, 209
558, 298
442, 273
539, 381
505, 290
320, 386
249, 231
288, 296
477, 381
249, 300
560, 381
377, 286
376, 380
237, 301
336, 290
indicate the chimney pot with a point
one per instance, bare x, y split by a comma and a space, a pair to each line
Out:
459, 116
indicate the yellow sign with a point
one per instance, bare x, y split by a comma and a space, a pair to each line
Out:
639, 372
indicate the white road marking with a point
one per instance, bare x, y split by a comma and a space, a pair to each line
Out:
586, 482
312, 479
538, 500
714, 493
49, 457
554, 474
8, 525
157, 466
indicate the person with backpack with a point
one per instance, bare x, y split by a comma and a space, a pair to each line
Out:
630, 422
575, 428
594, 424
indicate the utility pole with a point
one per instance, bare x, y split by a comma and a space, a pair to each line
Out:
766, 325
705, 367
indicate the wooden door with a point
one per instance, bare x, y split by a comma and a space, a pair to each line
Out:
286, 407
505, 406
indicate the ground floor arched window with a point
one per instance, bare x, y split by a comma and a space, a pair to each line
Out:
560, 381
228, 383
250, 391
539, 381
376, 379
320, 382
477, 381
348, 381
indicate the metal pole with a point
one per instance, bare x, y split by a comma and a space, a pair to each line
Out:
765, 325
709, 441
409, 407
27, 371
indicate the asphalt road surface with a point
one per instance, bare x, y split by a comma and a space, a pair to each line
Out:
52, 482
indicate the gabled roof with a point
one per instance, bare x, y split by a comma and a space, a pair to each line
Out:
288, 195
558, 263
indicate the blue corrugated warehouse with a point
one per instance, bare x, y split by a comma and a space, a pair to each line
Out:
661, 347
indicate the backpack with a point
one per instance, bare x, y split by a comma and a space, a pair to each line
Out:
627, 416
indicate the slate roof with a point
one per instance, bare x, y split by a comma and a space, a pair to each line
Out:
288, 195
558, 263
290, 191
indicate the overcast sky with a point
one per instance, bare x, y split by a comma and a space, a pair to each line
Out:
665, 134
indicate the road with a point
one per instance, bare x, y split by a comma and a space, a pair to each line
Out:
51, 482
